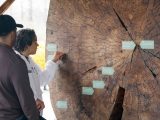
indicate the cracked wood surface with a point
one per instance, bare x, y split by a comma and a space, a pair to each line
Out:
91, 32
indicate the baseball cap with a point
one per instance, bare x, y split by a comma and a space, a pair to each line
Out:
7, 24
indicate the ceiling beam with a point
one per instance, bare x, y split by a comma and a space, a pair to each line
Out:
5, 6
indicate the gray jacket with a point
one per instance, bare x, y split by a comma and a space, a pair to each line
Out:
16, 96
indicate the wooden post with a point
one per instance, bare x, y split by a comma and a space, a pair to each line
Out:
5, 6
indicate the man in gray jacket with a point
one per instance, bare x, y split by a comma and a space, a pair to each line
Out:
16, 96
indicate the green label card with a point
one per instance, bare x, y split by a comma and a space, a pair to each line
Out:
87, 91
98, 84
51, 47
107, 70
49, 57
128, 45
147, 44
61, 104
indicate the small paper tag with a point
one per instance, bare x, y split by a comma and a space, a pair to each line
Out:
147, 44
128, 45
49, 57
51, 47
62, 104
87, 91
107, 70
98, 84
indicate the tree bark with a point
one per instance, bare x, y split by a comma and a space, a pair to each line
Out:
91, 32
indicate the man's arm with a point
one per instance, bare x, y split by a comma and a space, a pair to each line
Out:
20, 81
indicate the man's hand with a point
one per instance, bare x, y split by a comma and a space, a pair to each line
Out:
40, 104
57, 56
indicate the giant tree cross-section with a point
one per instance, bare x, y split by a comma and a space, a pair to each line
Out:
110, 42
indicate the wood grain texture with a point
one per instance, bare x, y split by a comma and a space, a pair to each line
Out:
91, 32
5, 6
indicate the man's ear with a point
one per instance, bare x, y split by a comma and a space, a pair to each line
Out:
12, 36
13, 33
